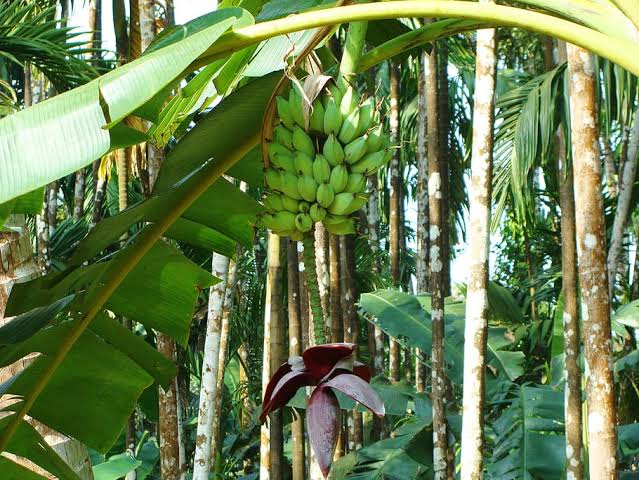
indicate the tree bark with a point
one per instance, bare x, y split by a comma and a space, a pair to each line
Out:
436, 263
336, 322
477, 308
591, 251
394, 208
322, 265
421, 229
623, 204
295, 350
443, 114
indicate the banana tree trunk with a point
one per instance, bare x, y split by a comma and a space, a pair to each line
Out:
591, 251
295, 349
477, 309
394, 208
623, 204
436, 263
210, 364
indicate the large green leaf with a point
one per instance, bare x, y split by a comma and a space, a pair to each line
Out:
115, 467
61, 135
12, 471
628, 315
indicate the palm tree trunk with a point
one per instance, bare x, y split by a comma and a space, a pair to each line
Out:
444, 156
476, 329
437, 280
623, 204
421, 229
336, 321
591, 251
610, 167
295, 350
322, 262
394, 208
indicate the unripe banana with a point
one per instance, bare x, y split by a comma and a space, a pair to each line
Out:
273, 202
355, 150
356, 183
366, 115
307, 188
333, 151
321, 169
303, 164
280, 221
304, 207
275, 148
348, 132
284, 136
317, 213
316, 123
349, 102
302, 142
339, 178
290, 204
341, 203
273, 179
284, 112
370, 163
335, 93
296, 235
325, 195
285, 162
374, 139
333, 119
358, 202
295, 100
342, 228
289, 185
334, 219
303, 222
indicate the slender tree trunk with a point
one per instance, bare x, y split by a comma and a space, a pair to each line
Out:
611, 169
322, 265
634, 293
623, 204
78, 194
476, 329
591, 251
443, 115
437, 280
295, 350
531, 273
394, 208
421, 229
336, 321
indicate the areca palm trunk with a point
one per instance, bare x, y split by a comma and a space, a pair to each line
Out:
394, 216
336, 323
476, 325
295, 350
322, 261
437, 274
591, 251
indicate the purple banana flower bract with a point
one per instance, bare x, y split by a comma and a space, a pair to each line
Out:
328, 367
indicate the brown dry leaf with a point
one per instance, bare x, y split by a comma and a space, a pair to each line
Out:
312, 89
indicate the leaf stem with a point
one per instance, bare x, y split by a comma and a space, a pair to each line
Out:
310, 272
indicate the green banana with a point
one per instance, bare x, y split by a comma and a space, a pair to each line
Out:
341, 203
307, 188
321, 169
296, 236
356, 183
345, 227
303, 164
280, 221
333, 151
316, 123
289, 185
325, 195
339, 178
332, 120
285, 162
375, 139
304, 207
370, 163
335, 93
366, 115
303, 222
355, 150
273, 202
290, 204
295, 100
302, 142
284, 112
273, 179
275, 148
317, 213
334, 219
348, 132
358, 202
349, 102
284, 136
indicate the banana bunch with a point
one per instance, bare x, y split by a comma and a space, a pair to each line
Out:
319, 160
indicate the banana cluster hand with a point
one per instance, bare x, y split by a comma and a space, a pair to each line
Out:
318, 167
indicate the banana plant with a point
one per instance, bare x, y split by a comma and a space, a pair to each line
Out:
82, 350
